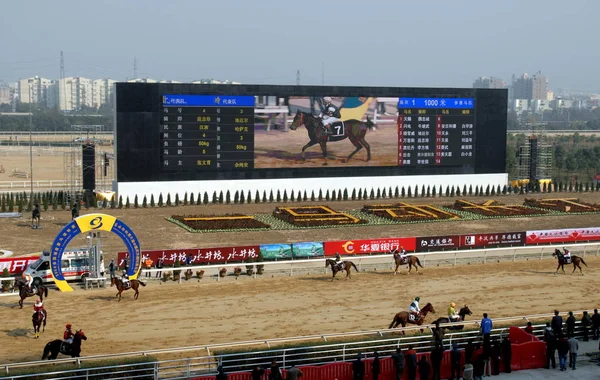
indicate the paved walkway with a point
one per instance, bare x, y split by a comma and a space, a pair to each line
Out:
584, 369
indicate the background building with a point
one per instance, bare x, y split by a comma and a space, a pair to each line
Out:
489, 82
102, 92
74, 93
34, 90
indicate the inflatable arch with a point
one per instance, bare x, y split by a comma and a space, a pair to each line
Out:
91, 223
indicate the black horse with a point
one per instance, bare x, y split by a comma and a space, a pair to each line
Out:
37, 319
39, 290
353, 129
462, 314
57, 346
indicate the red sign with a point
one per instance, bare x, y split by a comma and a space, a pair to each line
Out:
433, 243
16, 265
503, 239
362, 247
198, 255
568, 235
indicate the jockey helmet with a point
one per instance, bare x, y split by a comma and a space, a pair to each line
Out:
417, 298
327, 99
68, 326
453, 304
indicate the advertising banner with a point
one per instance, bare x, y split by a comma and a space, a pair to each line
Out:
504, 239
307, 250
437, 243
568, 235
368, 246
16, 265
197, 255
276, 251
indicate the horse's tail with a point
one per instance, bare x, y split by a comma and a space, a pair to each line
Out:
583, 262
46, 291
370, 124
46, 350
419, 262
393, 321
355, 268
141, 282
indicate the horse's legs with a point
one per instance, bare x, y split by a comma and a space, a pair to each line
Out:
366, 145
310, 143
396, 270
21, 303
323, 145
358, 147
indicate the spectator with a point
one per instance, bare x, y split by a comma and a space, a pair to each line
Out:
469, 353
275, 372
550, 340
557, 323
529, 328
411, 363
507, 354
487, 359
596, 325
189, 260
74, 211
375, 366
486, 329
438, 335
398, 359
436, 361
294, 373
573, 348
478, 367
424, 368
496, 354
570, 324
221, 375
111, 268
563, 350
586, 323
257, 373
358, 368
160, 263
148, 265
455, 362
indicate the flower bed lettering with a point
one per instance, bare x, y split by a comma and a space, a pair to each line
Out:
407, 212
494, 208
312, 216
571, 205
197, 223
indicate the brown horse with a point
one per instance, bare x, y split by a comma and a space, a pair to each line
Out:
38, 290
346, 265
462, 313
575, 260
410, 260
355, 130
37, 319
402, 317
133, 284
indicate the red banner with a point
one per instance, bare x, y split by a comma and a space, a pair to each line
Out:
569, 235
198, 255
504, 239
433, 243
362, 247
16, 265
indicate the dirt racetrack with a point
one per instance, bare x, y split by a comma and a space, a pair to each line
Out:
195, 313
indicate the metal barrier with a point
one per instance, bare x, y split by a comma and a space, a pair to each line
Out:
310, 355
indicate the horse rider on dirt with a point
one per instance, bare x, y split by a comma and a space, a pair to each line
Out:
68, 334
329, 115
401, 253
338, 261
28, 282
452, 314
414, 310
567, 255
38, 308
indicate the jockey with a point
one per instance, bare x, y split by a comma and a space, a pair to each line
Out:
28, 281
402, 253
329, 115
338, 261
38, 307
125, 279
567, 255
68, 334
414, 307
452, 315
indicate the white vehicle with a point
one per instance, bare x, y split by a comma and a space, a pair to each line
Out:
74, 264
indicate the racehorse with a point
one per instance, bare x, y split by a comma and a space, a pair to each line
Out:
57, 346
353, 129
133, 284
402, 317
37, 319
410, 260
346, 265
39, 290
575, 260
462, 313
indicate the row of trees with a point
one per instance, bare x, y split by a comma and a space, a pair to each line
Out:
46, 119
58, 200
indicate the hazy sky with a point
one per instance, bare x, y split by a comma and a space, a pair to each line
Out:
370, 42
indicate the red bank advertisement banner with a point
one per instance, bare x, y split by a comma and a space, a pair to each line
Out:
568, 235
362, 247
16, 265
504, 239
198, 255
435, 243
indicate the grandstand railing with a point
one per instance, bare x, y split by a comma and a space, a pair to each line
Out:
451, 256
307, 355
37, 184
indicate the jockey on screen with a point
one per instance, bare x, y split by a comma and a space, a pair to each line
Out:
414, 309
68, 334
329, 115
452, 314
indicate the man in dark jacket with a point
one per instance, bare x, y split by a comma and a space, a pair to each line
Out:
358, 368
455, 362
550, 340
596, 324
424, 368
507, 354
496, 352
257, 373
570, 324
586, 323
469, 352
398, 360
557, 323
375, 367
411, 363
437, 355
563, 351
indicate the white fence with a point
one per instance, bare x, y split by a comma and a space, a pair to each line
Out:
450, 256
321, 354
8, 186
